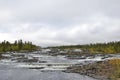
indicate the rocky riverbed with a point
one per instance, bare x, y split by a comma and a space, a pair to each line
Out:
98, 70
101, 68
37, 66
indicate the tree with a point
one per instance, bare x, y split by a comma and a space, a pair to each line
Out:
16, 46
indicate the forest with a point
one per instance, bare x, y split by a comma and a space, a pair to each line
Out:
108, 47
17, 45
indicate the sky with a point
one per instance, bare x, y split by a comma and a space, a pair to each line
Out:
60, 22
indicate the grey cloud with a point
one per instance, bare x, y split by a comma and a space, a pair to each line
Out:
59, 22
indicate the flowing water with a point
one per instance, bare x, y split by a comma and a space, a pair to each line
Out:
35, 66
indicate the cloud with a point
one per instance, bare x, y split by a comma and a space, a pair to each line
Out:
60, 22
99, 28
5, 16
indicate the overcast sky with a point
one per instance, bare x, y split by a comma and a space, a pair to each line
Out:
60, 22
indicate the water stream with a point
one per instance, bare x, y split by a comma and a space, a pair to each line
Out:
32, 66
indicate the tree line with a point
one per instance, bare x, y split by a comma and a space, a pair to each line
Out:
110, 47
17, 45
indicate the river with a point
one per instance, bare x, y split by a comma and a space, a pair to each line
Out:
35, 66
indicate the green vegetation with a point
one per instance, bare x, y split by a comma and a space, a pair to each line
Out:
111, 47
115, 69
16, 46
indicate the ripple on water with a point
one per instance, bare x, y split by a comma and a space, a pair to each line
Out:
28, 74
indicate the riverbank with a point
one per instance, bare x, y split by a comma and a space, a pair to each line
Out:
103, 70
